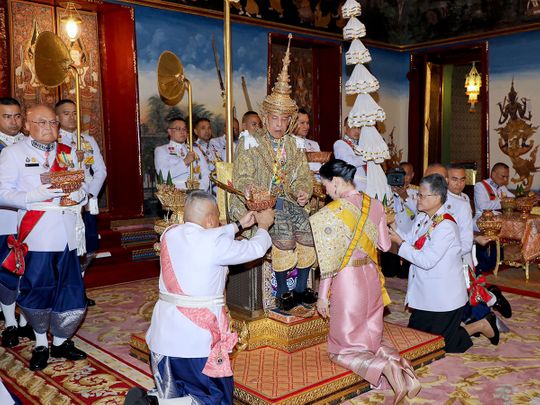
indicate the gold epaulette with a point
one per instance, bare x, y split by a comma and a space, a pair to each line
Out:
413, 187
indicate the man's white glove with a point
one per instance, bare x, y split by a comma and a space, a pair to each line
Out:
78, 195
43, 193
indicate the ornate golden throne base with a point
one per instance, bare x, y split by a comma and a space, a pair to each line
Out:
288, 363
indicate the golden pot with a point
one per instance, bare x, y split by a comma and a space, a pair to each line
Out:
525, 204
489, 224
508, 204
67, 180
318, 157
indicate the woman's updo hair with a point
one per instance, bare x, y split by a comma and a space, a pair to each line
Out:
338, 168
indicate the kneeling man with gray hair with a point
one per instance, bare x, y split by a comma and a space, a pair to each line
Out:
189, 336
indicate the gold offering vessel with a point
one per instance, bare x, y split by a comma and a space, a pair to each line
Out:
489, 224
525, 204
68, 180
318, 157
508, 204
258, 199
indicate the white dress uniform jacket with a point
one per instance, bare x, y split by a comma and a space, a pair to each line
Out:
8, 216
199, 258
343, 151
482, 201
436, 279
20, 168
406, 211
309, 146
459, 207
169, 158
210, 154
221, 144
92, 160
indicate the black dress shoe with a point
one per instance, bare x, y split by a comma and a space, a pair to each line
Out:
502, 305
68, 351
307, 297
10, 337
40, 355
492, 319
26, 331
286, 301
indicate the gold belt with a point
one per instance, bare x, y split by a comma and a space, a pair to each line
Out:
360, 262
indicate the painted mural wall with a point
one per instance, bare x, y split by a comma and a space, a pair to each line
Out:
190, 37
514, 112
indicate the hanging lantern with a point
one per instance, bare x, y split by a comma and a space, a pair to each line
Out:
473, 82
71, 21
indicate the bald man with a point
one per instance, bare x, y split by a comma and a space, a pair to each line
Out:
189, 336
51, 290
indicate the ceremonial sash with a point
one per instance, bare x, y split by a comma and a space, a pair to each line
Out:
14, 261
491, 193
223, 340
419, 244
356, 221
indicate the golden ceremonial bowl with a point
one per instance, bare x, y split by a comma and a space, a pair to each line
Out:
508, 204
319, 190
525, 204
318, 157
262, 204
174, 200
489, 224
259, 200
68, 181
170, 197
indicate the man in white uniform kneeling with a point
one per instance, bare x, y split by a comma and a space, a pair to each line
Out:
189, 336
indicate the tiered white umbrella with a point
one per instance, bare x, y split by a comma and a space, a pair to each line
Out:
365, 112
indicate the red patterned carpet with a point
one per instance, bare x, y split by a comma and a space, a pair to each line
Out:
506, 374
100, 379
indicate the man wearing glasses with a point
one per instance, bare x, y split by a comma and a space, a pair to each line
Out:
44, 254
174, 158
10, 133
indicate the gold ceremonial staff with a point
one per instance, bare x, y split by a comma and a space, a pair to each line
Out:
228, 78
52, 65
172, 84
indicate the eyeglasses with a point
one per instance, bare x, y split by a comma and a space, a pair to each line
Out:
422, 196
178, 129
42, 124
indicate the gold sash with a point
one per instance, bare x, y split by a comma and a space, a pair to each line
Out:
337, 230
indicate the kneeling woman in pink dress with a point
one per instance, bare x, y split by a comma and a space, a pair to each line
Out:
347, 234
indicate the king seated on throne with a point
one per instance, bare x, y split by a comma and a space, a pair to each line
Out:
269, 161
